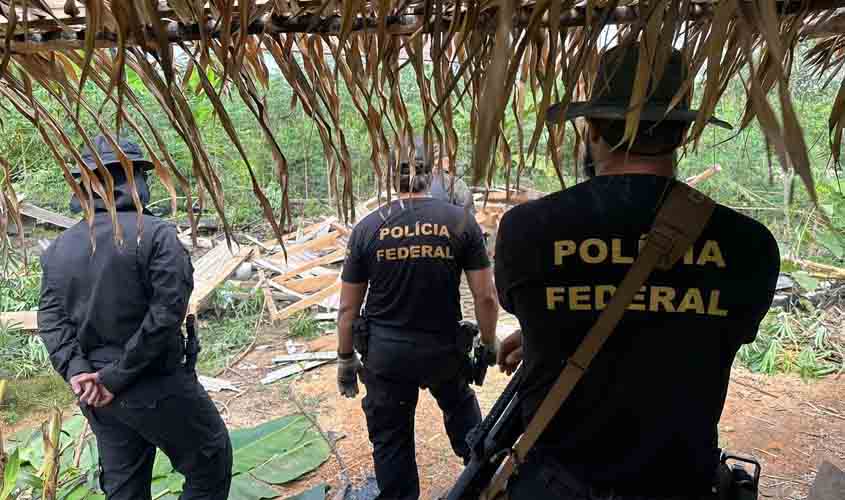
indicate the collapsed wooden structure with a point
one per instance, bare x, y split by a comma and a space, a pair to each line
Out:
300, 276
503, 53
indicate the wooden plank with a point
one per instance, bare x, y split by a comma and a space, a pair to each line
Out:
327, 259
703, 176
269, 301
201, 242
256, 242
311, 285
332, 302
269, 266
289, 370
318, 243
25, 320
48, 216
346, 231
283, 293
55, 38
327, 342
288, 291
305, 356
306, 232
211, 270
211, 384
516, 197
310, 301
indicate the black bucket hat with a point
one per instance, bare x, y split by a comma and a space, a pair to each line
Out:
107, 154
614, 83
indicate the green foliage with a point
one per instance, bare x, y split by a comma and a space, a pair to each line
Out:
10, 475
230, 301
21, 285
303, 325
275, 452
21, 354
745, 181
794, 342
35, 394
230, 327
74, 483
806, 281
222, 339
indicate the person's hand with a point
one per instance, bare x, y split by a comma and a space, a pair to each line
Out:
106, 397
510, 352
86, 387
347, 375
90, 390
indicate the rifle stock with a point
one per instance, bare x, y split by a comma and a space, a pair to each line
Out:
490, 443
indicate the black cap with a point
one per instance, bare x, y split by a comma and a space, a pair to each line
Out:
614, 83
110, 160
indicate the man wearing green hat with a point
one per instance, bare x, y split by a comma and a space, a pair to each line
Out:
642, 421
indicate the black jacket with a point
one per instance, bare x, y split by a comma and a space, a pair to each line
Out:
115, 309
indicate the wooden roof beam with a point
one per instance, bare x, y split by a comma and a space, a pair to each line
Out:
834, 25
331, 25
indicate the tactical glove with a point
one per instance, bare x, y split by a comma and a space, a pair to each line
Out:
348, 369
489, 352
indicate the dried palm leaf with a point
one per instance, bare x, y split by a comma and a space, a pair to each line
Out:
51, 432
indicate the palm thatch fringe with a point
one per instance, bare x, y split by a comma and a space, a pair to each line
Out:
492, 55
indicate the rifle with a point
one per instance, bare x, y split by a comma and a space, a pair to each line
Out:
490, 442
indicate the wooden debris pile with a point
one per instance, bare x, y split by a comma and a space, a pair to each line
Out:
306, 273
303, 274
491, 205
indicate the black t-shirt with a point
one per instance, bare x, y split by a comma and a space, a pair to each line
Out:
412, 253
644, 417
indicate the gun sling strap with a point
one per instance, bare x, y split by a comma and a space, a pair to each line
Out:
678, 225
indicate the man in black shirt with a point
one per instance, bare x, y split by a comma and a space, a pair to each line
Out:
111, 317
407, 258
642, 422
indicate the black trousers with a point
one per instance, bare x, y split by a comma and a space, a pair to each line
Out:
542, 477
175, 414
390, 406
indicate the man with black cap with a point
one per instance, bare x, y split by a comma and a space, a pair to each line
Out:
642, 421
111, 317
407, 258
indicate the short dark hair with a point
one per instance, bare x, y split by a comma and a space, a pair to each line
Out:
653, 138
421, 180
422, 168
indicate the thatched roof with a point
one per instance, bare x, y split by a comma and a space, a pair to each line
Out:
496, 54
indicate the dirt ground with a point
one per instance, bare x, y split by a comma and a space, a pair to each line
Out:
790, 426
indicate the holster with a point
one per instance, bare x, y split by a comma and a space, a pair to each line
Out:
467, 331
192, 344
473, 352
361, 336
735, 482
